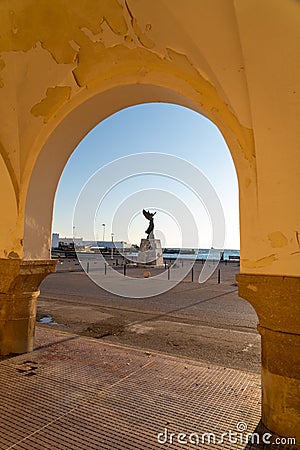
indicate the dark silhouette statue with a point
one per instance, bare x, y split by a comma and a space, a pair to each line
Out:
150, 228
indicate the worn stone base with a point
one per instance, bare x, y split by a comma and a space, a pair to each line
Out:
276, 300
19, 283
281, 382
150, 253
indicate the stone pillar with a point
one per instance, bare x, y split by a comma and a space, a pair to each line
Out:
19, 283
276, 300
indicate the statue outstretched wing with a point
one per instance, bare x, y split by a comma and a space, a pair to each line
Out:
147, 214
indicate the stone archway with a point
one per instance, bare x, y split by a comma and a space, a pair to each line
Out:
60, 145
68, 133
113, 54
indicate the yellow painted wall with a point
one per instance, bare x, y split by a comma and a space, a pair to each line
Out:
234, 61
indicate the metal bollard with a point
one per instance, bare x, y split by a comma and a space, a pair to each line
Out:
87, 267
105, 268
192, 274
125, 269
219, 276
169, 273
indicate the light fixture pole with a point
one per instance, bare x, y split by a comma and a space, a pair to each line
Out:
103, 239
112, 246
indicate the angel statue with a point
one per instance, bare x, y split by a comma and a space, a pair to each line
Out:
150, 228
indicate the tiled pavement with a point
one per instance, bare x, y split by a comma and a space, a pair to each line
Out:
76, 393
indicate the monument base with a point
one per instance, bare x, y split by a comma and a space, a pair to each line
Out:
150, 253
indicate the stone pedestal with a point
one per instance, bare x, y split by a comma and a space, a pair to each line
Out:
150, 253
276, 300
19, 283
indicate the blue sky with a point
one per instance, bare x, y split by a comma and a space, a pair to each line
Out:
159, 128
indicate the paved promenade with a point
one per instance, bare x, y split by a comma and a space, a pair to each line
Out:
206, 322
76, 393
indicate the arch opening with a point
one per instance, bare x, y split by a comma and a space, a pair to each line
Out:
111, 323
61, 143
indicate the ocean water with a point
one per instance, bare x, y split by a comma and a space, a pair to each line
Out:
203, 254
188, 253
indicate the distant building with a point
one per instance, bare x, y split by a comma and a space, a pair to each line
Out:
115, 244
55, 240
68, 240
82, 245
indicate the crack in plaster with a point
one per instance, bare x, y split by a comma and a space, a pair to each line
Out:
141, 36
74, 27
17, 36
2, 65
260, 263
95, 63
297, 238
298, 243
11, 172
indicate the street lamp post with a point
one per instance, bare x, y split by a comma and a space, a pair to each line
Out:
103, 239
112, 246
123, 250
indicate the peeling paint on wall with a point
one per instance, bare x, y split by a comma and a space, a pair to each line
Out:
260, 263
277, 239
97, 63
142, 37
48, 106
81, 39
105, 45
17, 36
